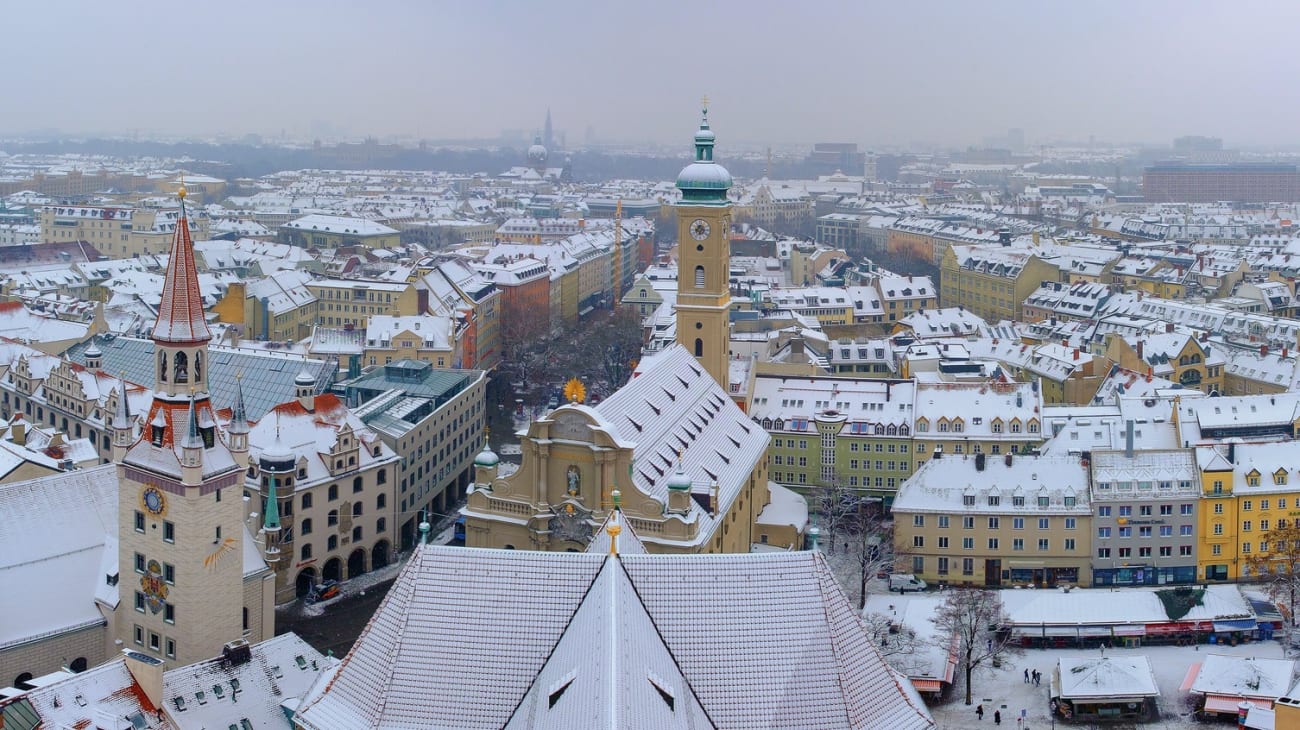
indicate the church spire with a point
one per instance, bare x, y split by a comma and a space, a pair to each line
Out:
180, 315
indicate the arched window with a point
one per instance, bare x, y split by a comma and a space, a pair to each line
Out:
306, 501
332, 518
198, 366
381, 525
382, 477
305, 527
699, 277
306, 552
699, 347
332, 543
356, 509
381, 501
356, 485
333, 492
182, 368
162, 367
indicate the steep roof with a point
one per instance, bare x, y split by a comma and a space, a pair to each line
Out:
180, 315
472, 638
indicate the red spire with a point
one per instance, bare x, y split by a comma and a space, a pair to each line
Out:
180, 316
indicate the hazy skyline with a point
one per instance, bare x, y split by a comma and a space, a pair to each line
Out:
877, 74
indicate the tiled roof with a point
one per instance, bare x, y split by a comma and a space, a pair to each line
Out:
473, 638
180, 315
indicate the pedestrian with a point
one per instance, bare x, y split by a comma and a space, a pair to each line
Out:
997, 717
1038, 678
979, 711
1026, 675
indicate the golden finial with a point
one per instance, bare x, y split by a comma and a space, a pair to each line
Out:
181, 193
612, 529
704, 102
575, 391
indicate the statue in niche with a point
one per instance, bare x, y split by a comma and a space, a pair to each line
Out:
182, 368
574, 478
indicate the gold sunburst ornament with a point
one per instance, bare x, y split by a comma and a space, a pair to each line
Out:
575, 391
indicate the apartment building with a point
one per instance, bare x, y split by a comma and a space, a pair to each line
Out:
351, 302
996, 521
992, 281
1246, 491
1182, 182
960, 419
1145, 511
334, 231
118, 232
846, 433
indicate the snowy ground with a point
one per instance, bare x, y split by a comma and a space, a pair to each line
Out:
1005, 688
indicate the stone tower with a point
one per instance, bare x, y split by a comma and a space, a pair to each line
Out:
703, 258
180, 506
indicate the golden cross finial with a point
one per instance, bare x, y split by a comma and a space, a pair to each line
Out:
181, 193
704, 102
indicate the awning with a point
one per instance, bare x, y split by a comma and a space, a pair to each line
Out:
927, 685
1060, 631
1131, 630
1225, 704
1190, 678
1094, 631
1154, 629
1244, 624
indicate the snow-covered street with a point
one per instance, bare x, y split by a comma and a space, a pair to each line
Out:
1004, 689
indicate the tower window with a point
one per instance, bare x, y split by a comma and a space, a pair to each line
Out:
699, 347
699, 277
182, 368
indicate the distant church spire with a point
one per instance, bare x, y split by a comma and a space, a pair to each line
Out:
548, 137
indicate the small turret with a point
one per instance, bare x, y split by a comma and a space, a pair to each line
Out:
304, 389
276, 464
485, 465
192, 443
238, 428
94, 357
679, 490
122, 425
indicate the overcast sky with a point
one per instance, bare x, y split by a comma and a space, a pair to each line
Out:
777, 72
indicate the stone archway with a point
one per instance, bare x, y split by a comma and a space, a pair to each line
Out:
333, 569
357, 562
379, 555
306, 579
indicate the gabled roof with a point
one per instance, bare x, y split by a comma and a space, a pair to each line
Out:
180, 315
472, 638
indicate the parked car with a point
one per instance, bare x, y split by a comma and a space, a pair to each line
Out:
904, 582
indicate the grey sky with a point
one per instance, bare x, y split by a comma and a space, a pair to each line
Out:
777, 72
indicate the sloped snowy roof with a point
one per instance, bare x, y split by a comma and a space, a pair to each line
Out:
52, 542
783, 647
1105, 677
1237, 676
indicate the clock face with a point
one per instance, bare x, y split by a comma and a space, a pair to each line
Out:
699, 229
153, 500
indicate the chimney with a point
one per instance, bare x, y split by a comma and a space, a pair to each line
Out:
1169, 327
979, 461
1232, 451
148, 673
18, 430
796, 345
1140, 343
1128, 438
1076, 353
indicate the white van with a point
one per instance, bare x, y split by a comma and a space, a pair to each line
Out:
904, 582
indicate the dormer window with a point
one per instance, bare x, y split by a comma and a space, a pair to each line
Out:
156, 435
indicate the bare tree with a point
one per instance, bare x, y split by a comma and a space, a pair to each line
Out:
876, 551
976, 618
898, 644
1277, 564
836, 506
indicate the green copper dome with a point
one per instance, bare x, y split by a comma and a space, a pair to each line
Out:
704, 182
680, 481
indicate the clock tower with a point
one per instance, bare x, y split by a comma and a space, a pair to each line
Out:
181, 552
703, 258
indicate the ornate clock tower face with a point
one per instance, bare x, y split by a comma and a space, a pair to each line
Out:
153, 501
699, 229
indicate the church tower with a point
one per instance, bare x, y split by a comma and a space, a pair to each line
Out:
703, 257
180, 506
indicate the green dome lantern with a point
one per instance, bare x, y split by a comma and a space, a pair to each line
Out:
704, 182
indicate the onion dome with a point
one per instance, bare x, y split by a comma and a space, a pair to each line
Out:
486, 457
680, 481
704, 181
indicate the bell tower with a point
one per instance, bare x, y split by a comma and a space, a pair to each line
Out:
703, 257
180, 507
